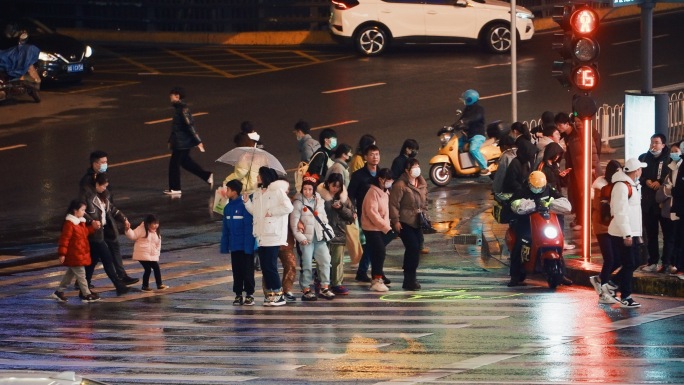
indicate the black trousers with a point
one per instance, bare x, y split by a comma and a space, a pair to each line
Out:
521, 226
149, 266
412, 238
375, 242
115, 250
651, 219
678, 250
627, 255
99, 252
243, 272
181, 158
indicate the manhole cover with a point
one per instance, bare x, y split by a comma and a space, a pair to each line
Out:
467, 239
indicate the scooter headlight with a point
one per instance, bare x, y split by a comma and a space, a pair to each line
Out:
445, 138
550, 232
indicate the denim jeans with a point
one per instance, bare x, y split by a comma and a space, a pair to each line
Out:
315, 249
474, 149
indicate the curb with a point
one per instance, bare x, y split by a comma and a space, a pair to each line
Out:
291, 38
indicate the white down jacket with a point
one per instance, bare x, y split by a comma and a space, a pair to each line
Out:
626, 211
270, 209
303, 214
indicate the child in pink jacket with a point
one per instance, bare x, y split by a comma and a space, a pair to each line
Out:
147, 249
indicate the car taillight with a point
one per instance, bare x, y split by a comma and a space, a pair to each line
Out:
344, 4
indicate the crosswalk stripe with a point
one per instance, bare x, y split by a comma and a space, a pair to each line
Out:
73, 363
192, 325
174, 378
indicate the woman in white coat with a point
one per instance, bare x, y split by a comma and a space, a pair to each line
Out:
308, 205
270, 206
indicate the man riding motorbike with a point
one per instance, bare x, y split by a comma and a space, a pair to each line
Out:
473, 122
524, 202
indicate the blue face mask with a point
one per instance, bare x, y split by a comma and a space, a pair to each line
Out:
676, 156
103, 168
536, 190
333, 143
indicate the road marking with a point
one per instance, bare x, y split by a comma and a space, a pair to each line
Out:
253, 60
334, 125
12, 147
170, 119
119, 84
499, 95
638, 40
199, 63
137, 64
171, 378
353, 88
140, 160
306, 55
635, 71
502, 64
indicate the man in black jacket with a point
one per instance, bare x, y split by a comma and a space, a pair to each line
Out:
323, 157
473, 120
183, 138
652, 177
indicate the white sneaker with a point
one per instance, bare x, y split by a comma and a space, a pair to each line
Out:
596, 283
172, 192
378, 285
608, 299
650, 268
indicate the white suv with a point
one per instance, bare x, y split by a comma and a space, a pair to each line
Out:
371, 24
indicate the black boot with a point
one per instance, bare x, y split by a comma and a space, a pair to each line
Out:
410, 282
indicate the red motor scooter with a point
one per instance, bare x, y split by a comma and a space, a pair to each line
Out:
543, 251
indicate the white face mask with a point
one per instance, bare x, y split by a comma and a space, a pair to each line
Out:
415, 172
388, 184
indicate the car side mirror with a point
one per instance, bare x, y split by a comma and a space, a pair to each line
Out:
460, 3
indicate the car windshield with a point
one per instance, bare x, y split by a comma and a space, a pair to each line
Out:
32, 26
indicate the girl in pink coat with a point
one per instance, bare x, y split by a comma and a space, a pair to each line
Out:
147, 249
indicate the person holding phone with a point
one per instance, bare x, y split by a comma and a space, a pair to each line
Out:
555, 177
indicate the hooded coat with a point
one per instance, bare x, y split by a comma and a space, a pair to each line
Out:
625, 209
552, 171
146, 247
340, 217
407, 201
73, 243
519, 168
270, 230
307, 217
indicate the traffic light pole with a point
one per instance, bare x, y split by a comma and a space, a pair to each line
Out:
647, 47
514, 64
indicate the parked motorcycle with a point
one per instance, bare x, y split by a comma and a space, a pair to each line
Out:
543, 249
12, 88
18, 76
451, 161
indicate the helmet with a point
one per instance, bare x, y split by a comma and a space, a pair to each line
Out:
470, 97
537, 180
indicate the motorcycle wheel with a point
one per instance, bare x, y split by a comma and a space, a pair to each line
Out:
440, 174
554, 273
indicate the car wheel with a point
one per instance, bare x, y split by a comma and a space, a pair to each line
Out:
440, 174
371, 40
498, 38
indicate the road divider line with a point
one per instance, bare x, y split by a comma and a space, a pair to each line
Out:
635, 71
253, 60
353, 88
501, 64
306, 55
199, 63
121, 84
140, 160
170, 119
334, 125
639, 40
499, 95
12, 147
137, 64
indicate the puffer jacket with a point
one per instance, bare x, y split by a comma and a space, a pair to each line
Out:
406, 201
596, 225
664, 195
375, 214
271, 230
73, 243
626, 211
304, 214
146, 248
339, 218
183, 133
238, 228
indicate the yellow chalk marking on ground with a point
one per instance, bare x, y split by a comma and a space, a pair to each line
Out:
169, 119
12, 147
138, 64
120, 84
140, 160
335, 125
306, 55
253, 60
199, 63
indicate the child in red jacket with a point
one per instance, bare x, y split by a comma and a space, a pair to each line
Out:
74, 252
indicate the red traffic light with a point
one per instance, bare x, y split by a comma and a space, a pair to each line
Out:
584, 21
585, 77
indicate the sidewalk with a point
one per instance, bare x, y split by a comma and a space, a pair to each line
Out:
577, 269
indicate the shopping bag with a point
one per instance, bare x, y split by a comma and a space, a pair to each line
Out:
219, 201
354, 243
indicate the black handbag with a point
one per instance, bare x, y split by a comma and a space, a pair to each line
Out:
425, 223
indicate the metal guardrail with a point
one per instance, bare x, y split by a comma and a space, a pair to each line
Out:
611, 123
199, 15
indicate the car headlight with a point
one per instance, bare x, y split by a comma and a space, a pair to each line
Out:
550, 232
524, 15
88, 51
44, 56
445, 138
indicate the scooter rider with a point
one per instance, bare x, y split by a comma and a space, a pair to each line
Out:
473, 123
524, 202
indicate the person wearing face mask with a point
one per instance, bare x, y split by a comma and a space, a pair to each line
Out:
408, 199
652, 177
676, 190
523, 203
672, 245
343, 153
305, 143
408, 150
376, 226
322, 159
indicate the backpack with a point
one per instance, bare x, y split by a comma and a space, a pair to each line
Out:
604, 202
302, 169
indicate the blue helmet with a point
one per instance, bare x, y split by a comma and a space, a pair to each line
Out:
470, 97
